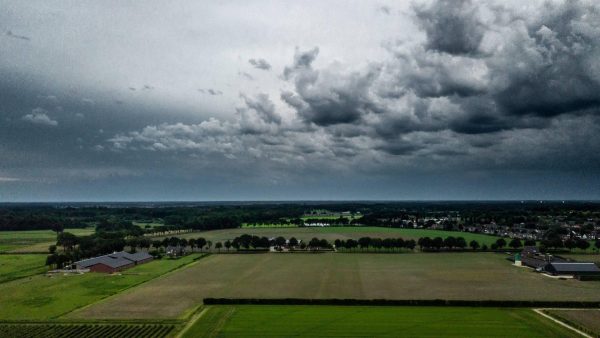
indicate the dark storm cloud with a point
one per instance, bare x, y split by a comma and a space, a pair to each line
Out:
260, 64
483, 89
262, 105
452, 26
328, 98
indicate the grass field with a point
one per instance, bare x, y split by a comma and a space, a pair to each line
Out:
41, 297
359, 321
33, 240
583, 258
333, 233
587, 320
363, 276
19, 266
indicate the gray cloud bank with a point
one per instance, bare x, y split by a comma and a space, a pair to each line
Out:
486, 94
485, 83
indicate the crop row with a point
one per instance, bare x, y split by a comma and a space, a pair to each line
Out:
50, 330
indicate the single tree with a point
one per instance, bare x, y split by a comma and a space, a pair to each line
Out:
515, 243
218, 246
500, 243
474, 245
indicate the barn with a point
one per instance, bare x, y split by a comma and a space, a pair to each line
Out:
117, 261
573, 269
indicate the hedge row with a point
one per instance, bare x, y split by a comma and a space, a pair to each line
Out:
401, 302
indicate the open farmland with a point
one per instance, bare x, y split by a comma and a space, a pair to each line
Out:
333, 233
587, 320
114, 330
18, 266
42, 297
363, 276
360, 321
33, 240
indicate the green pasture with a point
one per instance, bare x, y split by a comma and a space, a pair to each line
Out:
19, 266
46, 297
34, 240
364, 321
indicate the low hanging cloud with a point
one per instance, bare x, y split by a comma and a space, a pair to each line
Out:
260, 64
483, 83
39, 116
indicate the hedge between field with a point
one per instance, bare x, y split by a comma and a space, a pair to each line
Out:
401, 302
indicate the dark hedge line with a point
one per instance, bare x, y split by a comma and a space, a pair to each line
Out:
401, 302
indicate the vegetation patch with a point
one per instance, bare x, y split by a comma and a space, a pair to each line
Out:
19, 266
366, 321
44, 297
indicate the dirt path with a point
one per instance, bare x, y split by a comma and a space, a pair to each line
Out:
541, 312
191, 322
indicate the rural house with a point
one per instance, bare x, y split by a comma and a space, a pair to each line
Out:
114, 262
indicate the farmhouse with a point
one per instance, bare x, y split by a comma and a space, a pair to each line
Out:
114, 262
573, 269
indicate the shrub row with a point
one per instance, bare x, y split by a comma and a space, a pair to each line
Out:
401, 302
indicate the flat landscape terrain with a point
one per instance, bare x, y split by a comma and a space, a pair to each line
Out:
586, 319
466, 276
41, 297
19, 266
333, 233
360, 321
33, 240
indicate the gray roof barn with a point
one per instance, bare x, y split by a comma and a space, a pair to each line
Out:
115, 260
572, 268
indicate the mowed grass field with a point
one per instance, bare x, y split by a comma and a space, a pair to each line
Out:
586, 319
361, 321
41, 297
333, 233
34, 240
19, 266
469, 276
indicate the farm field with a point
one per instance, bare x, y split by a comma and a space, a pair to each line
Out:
18, 266
33, 240
41, 297
360, 321
52, 329
333, 233
465, 276
587, 320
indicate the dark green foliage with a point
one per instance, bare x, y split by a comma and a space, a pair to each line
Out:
400, 302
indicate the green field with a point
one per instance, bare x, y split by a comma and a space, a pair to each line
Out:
333, 233
19, 266
33, 240
360, 321
468, 276
587, 320
42, 297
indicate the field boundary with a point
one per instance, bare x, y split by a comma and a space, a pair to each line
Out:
562, 322
402, 302
134, 285
548, 311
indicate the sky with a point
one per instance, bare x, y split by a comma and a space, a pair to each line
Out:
306, 100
